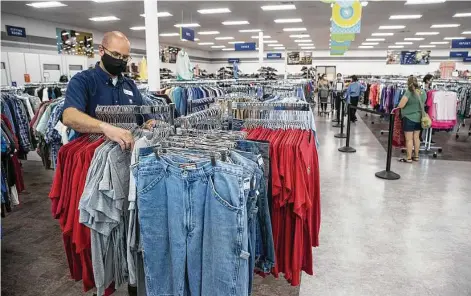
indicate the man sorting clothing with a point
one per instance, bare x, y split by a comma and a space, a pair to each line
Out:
355, 89
102, 85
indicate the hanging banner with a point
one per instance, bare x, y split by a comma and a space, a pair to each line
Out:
458, 54
342, 37
467, 60
346, 17
461, 43
337, 52
233, 60
74, 42
393, 57
274, 55
342, 44
187, 34
245, 46
16, 31
339, 48
299, 58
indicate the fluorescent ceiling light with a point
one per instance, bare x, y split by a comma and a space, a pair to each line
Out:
426, 33
50, 4
306, 44
405, 16
169, 34
264, 37
391, 27
235, 42
286, 21
439, 42
414, 2
414, 39
192, 25
466, 32
105, 1
370, 43
382, 34
104, 18
462, 14
300, 36
65, 33
294, 29
375, 39
364, 3
160, 14
138, 28
214, 10
427, 46
206, 43
250, 30
281, 47
404, 43
208, 32
233, 23
396, 46
218, 46
275, 45
308, 47
302, 40
270, 41
445, 26
228, 49
278, 7
451, 38
365, 46
224, 38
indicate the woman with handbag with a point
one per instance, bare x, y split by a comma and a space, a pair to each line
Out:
413, 117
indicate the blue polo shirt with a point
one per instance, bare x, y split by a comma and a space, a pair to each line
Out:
93, 87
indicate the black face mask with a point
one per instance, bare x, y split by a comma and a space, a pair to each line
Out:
112, 65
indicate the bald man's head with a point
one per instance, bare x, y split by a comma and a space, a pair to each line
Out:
116, 42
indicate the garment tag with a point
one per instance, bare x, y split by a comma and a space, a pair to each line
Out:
188, 166
260, 160
59, 126
128, 92
246, 183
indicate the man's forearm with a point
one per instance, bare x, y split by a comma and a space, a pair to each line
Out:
82, 122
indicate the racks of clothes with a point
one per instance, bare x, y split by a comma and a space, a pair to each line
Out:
45, 90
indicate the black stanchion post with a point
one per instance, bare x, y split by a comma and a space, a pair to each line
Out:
337, 108
339, 122
341, 135
388, 174
347, 147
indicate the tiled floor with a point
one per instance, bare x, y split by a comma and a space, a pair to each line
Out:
404, 237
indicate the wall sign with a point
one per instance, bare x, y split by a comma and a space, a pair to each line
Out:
74, 42
233, 60
299, 58
419, 57
458, 54
187, 34
274, 55
27, 78
16, 31
461, 43
245, 46
467, 59
13, 83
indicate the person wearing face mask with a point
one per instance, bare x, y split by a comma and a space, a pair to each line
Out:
102, 85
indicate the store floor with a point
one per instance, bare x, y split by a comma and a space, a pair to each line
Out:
404, 237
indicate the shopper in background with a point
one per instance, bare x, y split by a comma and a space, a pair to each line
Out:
428, 82
339, 86
354, 90
324, 88
411, 105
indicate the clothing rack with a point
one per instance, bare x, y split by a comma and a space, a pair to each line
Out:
126, 114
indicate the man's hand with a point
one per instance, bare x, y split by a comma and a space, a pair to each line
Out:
121, 136
149, 124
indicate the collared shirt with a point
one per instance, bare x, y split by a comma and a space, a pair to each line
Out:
355, 89
93, 87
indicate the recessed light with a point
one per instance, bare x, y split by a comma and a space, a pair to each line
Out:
365, 46
300, 36
192, 25
206, 43
414, 39
414, 2
49, 4
281, 47
214, 10
278, 7
427, 46
308, 47
224, 38
235, 42
160, 14
264, 37
287, 21
404, 43
294, 29
250, 30
396, 46
439, 42
382, 34
405, 16
208, 32
275, 45
391, 27
270, 41
452, 38
302, 40
218, 46
104, 18
169, 34
462, 14
234, 23
426, 33
375, 39
370, 43
138, 28
445, 26
466, 32
228, 49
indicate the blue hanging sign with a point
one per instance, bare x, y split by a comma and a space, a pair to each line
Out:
458, 54
467, 60
13, 83
187, 34
245, 46
16, 31
233, 60
274, 55
461, 43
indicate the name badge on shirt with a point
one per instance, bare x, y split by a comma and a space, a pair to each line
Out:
128, 92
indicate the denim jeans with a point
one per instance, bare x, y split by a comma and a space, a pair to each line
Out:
265, 246
193, 230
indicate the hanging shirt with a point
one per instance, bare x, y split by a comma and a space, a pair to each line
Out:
183, 66
355, 89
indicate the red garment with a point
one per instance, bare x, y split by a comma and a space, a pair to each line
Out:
398, 132
20, 185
